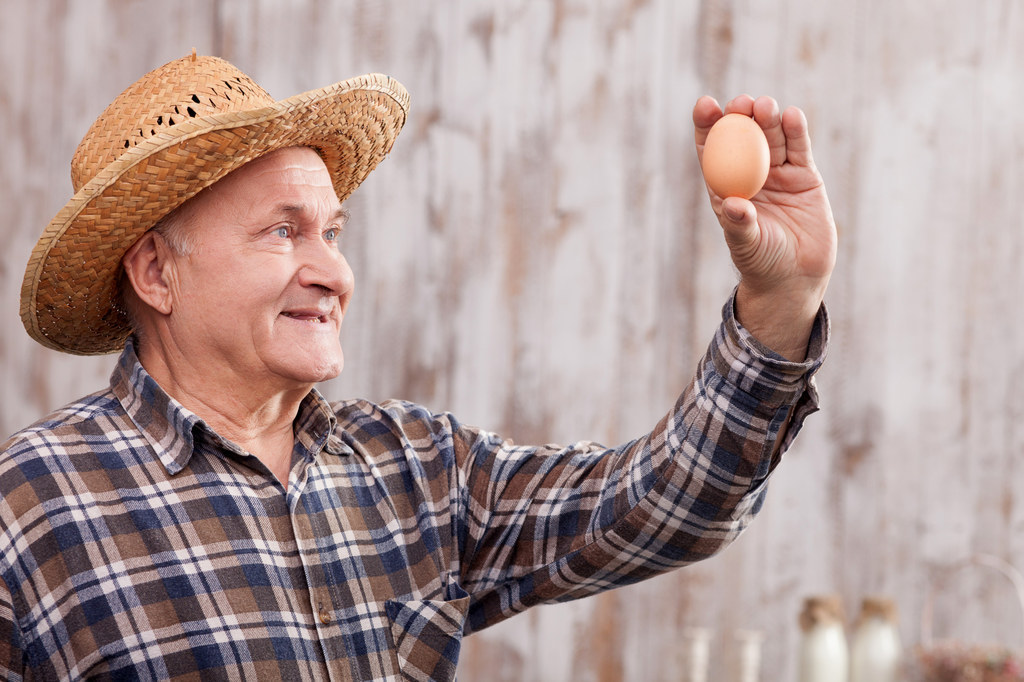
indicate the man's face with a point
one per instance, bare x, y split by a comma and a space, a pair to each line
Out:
263, 292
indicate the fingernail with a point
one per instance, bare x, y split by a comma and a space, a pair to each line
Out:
734, 213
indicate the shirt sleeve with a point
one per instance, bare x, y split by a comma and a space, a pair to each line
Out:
547, 524
11, 664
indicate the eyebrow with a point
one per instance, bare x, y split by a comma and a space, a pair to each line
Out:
340, 214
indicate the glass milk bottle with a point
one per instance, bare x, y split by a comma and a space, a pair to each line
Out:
824, 656
749, 659
698, 654
875, 651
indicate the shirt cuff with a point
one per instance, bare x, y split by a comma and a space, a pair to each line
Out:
758, 369
780, 386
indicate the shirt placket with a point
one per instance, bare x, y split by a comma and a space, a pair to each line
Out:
342, 599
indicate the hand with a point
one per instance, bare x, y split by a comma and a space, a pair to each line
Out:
783, 240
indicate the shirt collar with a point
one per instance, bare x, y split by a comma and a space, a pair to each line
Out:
171, 429
316, 426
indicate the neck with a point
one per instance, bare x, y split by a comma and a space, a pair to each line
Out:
256, 416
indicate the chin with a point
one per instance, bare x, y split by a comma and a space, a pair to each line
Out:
331, 373
314, 369
326, 371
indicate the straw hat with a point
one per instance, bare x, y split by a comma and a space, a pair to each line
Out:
176, 130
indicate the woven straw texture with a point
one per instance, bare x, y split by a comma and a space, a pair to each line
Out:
175, 131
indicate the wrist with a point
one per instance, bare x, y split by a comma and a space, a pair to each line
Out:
781, 320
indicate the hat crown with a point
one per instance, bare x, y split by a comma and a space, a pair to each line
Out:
187, 88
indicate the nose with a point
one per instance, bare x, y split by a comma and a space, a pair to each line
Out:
325, 267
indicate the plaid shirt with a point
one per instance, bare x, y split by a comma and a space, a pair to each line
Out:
136, 543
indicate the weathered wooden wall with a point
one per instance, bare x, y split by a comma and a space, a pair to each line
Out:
538, 256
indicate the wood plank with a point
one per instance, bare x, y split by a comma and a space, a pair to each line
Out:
537, 256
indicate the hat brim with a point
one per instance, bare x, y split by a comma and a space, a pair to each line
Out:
69, 296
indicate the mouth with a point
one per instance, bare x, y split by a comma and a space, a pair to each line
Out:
307, 316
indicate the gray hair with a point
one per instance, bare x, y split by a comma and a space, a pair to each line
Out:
173, 227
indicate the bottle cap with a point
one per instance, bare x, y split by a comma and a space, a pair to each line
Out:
821, 610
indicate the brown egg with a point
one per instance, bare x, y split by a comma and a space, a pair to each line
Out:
736, 157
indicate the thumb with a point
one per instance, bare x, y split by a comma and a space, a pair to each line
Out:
739, 222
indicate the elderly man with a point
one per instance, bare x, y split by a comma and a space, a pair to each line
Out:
211, 516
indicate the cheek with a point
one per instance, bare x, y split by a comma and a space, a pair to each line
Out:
229, 295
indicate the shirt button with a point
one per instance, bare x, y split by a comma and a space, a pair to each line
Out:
325, 615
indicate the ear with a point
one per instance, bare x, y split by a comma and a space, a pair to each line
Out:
149, 266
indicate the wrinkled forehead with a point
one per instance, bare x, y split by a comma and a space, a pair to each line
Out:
290, 165
293, 178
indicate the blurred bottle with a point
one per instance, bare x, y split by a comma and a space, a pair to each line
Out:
875, 650
824, 655
698, 654
749, 659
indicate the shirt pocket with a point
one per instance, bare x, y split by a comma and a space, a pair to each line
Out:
427, 634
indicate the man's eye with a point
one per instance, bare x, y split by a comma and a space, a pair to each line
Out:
332, 235
281, 232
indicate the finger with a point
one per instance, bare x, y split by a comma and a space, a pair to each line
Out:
705, 112
741, 104
798, 138
766, 113
739, 223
